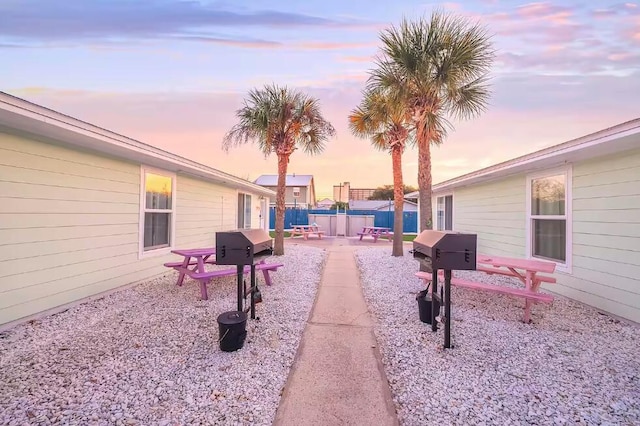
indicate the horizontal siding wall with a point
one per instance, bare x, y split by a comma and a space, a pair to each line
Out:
496, 213
68, 226
606, 235
202, 209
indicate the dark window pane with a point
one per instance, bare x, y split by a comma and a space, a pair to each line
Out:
156, 230
240, 211
548, 195
550, 239
448, 203
158, 191
247, 211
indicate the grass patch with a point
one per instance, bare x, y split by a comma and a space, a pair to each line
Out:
405, 237
272, 234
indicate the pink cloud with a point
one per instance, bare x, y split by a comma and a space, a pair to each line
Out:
358, 59
249, 43
525, 114
603, 13
540, 10
323, 45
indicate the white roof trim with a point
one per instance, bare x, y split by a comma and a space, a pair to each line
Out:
18, 114
618, 138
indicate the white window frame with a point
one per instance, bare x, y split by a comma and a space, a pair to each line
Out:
567, 170
244, 219
142, 253
435, 210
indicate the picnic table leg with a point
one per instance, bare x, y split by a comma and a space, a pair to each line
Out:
203, 289
267, 277
527, 302
203, 283
185, 265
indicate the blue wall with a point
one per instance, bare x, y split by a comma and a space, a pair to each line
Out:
382, 218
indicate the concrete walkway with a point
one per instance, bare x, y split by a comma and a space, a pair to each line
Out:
337, 377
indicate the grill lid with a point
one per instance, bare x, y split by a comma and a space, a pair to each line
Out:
445, 249
242, 246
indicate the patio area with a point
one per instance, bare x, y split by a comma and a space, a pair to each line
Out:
149, 354
573, 365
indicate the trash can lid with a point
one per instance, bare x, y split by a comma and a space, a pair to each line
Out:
232, 317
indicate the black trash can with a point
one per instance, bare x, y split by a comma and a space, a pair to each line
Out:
424, 305
232, 328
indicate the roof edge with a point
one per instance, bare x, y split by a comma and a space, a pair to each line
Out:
46, 115
574, 145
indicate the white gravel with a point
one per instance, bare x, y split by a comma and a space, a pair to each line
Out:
573, 365
150, 355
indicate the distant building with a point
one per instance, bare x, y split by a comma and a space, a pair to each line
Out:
341, 192
325, 203
300, 190
412, 196
381, 205
361, 193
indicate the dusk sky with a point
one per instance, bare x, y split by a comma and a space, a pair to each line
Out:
172, 73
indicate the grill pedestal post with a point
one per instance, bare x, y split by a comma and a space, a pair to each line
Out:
253, 291
435, 307
447, 308
240, 286
243, 293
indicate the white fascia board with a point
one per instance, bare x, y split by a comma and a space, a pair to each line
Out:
24, 116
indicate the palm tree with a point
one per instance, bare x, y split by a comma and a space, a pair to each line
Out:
439, 67
384, 119
280, 120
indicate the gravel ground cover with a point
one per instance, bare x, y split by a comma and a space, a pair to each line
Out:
149, 354
573, 365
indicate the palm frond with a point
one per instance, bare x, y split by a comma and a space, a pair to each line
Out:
383, 117
438, 66
280, 120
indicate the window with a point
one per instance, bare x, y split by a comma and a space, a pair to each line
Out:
444, 213
549, 216
244, 211
157, 210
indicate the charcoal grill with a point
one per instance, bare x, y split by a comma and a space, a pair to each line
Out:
242, 247
446, 250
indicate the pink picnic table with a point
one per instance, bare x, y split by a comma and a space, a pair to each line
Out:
526, 270
376, 232
306, 231
197, 257
194, 263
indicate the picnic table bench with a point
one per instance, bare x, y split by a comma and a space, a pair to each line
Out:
508, 267
376, 232
194, 263
306, 230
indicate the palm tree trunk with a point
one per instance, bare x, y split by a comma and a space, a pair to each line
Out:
398, 200
283, 161
424, 177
